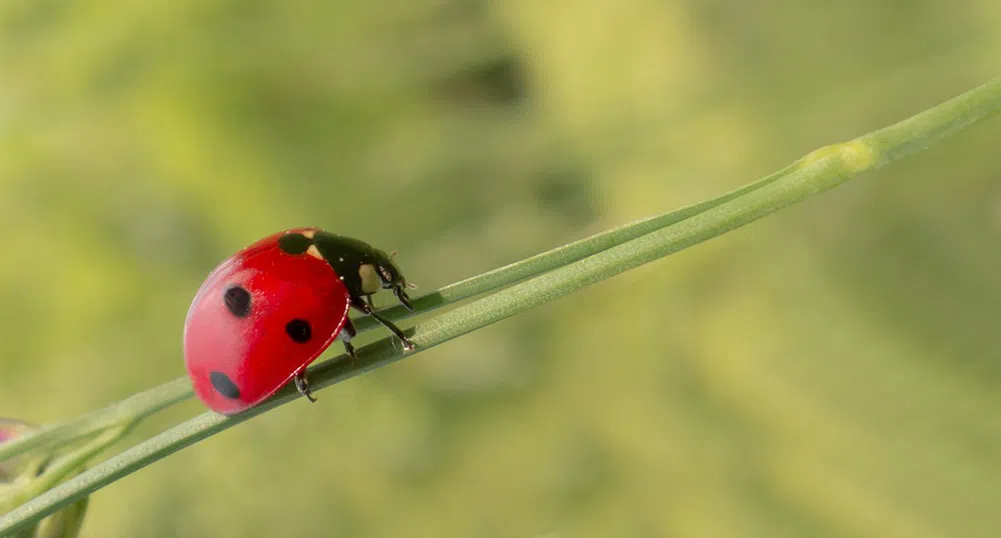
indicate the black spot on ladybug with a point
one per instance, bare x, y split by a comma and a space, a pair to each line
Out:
299, 330
294, 243
224, 385
237, 301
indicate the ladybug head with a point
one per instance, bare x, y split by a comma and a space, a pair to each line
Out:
392, 278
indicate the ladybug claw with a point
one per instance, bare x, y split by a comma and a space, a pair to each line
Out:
302, 385
346, 335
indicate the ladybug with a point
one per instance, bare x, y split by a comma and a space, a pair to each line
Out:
263, 315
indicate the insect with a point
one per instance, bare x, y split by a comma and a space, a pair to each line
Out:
267, 312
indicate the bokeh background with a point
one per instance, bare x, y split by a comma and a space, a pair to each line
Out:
831, 371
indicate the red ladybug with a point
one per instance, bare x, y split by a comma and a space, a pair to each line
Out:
263, 315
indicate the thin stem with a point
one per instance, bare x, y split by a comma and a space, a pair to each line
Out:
127, 411
551, 259
157, 398
58, 469
66, 465
818, 171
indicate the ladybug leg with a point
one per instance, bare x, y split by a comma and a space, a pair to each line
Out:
364, 307
368, 299
347, 333
401, 294
302, 385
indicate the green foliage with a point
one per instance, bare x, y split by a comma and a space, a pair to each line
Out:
825, 373
594, 259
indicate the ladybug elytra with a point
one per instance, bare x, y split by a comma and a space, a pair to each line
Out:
263, 315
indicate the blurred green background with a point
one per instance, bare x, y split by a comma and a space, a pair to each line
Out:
831, 371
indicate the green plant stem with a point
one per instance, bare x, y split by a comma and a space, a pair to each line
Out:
71, 463
818, 171
551, 259
58, 469
127, 411
146, 403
